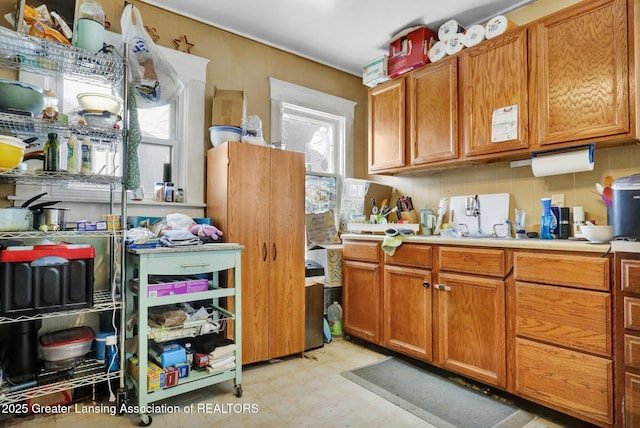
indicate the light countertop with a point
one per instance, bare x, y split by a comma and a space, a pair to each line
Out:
533, 244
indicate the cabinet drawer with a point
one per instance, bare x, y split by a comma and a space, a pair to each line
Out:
366, 251
563, 269
187, 263
492, 262
632, 313
631, 400
630, 275
572, 382
632, 351
415, 255
578, 319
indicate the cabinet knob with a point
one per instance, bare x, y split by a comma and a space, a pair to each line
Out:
442, 287
426, 284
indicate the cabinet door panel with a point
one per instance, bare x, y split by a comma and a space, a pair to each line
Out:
361, 299
494, 77
632, 400
471, 327
407, 311
582, 88
387, 126
579, 319
572, 382
630, 275
286, 254
433, 112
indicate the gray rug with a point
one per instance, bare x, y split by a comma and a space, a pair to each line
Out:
437, 400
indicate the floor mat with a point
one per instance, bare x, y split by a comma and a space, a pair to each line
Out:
437, 400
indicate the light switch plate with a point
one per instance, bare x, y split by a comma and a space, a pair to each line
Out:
558, 200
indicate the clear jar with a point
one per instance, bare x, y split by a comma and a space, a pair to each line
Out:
178, 196
89, 32
50, 111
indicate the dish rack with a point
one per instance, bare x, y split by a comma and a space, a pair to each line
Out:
216, 323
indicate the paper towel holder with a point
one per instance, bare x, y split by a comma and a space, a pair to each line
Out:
558, 157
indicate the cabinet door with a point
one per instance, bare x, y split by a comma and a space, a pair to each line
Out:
580, 67
407, 311
387, 126
433, 112
247, 170
361, 299
494, 95
286, 253
471, 326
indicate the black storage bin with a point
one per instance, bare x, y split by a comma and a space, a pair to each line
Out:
46, 278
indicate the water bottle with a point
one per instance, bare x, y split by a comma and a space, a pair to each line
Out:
546, 219
111, 354
334, 316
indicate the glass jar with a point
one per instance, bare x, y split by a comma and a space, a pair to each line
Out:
50, 111
89, 33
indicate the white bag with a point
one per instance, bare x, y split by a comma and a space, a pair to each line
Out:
154, 79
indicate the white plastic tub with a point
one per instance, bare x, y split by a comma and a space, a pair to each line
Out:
220, 134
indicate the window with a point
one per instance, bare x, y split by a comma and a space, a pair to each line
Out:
321, 126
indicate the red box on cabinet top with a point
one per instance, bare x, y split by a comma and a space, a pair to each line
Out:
409, 51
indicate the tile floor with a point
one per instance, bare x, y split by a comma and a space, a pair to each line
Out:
291, 392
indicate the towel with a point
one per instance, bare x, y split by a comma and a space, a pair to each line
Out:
390, 243
222, 351
178, 238
222, 362
132, 179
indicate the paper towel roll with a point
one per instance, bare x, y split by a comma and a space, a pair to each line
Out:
563, 162
448, 29
438, 51
474, 35
497, 26
454, 44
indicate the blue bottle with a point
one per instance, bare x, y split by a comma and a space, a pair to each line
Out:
546, 219
112, 358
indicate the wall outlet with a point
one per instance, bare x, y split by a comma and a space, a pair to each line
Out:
557, 200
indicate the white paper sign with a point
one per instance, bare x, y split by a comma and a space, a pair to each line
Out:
504, 124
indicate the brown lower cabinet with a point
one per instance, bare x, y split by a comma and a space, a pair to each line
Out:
495, 316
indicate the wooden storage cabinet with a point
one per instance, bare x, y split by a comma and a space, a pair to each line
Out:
362, 290
433, 113
581, 93
387, 115
628, 338
256, 196
407, 301
563, 333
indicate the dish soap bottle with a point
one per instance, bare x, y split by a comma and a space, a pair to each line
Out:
72, 155
87, 157
546, 219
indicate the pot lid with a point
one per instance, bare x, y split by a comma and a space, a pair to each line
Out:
67, 336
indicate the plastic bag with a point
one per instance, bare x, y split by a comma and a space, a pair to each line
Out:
252, 131
153, 78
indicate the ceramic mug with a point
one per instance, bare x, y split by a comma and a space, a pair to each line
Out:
427, 220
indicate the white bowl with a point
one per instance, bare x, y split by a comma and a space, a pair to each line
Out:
99, 102
220, 134
599, 234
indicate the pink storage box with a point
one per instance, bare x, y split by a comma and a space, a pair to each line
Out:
169, 286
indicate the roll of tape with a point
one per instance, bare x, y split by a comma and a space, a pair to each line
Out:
497, 26
438, 51
455, 44
473, 35
449, 29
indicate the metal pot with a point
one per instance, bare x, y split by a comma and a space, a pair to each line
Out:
15, 219
50, 216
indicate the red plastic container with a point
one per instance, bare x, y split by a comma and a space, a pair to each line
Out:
65, 344
46, 278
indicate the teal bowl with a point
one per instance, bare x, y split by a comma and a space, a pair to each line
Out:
21, 96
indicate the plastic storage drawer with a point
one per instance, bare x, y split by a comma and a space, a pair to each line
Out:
46, 278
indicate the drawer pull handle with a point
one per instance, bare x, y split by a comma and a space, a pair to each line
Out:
193, 265
264, 251
442, 287
426, 284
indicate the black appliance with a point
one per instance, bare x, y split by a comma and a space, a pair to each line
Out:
626, 207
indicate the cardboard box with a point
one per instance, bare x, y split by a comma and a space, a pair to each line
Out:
155, 375
229, 107
409, 51
321, 229
376, 72
356, 198
330, 257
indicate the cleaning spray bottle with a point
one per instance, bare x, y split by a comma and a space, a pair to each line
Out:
546, 219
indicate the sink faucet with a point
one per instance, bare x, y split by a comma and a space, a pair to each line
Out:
472, 208
509, 233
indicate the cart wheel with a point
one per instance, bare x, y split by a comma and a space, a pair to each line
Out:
145, 420
238, 391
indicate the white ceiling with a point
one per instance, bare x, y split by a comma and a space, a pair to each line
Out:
344, 34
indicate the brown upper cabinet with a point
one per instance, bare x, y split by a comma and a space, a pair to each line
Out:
494, 95
563, 80
580, 81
